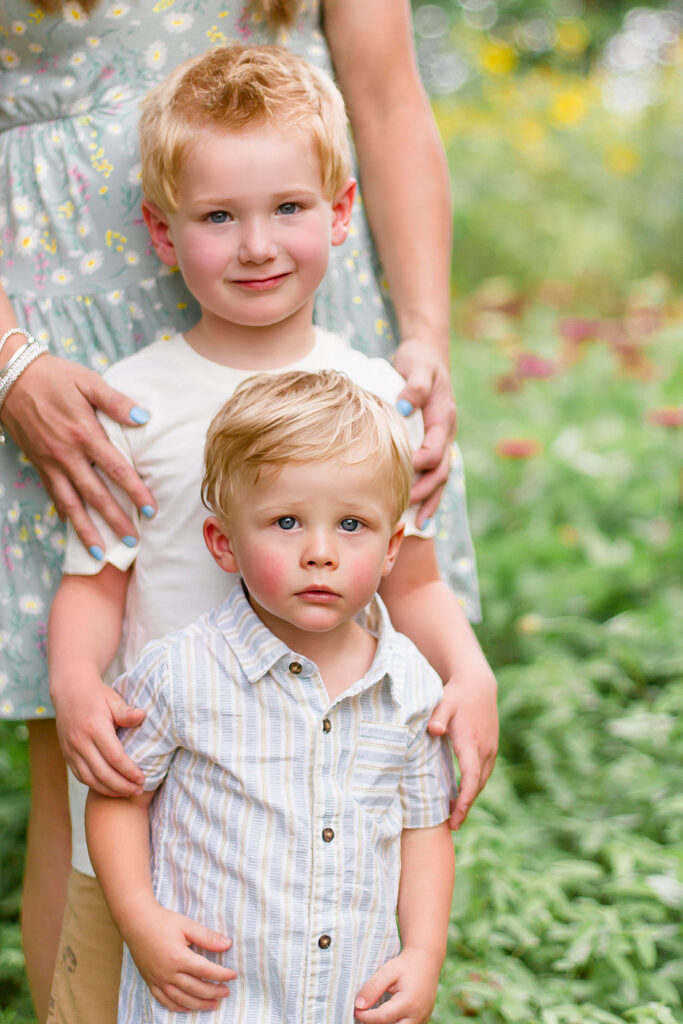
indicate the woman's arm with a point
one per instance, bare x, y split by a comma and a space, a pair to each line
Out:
49, 414
406, 191
424, 607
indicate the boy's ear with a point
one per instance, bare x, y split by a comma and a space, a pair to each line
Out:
342, 205
157, 225
393, 549
218, 543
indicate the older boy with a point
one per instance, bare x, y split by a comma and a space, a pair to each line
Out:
245, 170
286, 749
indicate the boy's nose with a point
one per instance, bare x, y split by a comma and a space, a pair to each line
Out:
319, 552
256, 243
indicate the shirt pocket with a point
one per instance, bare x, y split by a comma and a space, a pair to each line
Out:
378, 764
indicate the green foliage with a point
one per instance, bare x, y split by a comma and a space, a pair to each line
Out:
563, 141
14, 802
569, 884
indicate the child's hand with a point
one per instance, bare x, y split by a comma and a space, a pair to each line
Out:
467, 711
88, 713
411, 979
179, 978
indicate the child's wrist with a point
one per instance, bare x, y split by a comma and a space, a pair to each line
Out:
433, 954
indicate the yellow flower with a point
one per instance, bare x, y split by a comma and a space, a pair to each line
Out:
529, 133
568, 108
622, 160
572, 37
498, 58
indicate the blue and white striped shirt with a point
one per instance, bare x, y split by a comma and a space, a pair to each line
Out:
280, 815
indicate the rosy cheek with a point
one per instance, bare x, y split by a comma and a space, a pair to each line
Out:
271, 574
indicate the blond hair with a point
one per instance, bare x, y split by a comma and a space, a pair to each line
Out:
272, 420
228, 88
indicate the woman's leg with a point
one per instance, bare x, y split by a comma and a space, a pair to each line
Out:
48, 861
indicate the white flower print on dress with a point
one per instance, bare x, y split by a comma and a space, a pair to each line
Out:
91, 262
9, 58
156, 55
22, 207
26, 242
61, 276
178, 22
74, 14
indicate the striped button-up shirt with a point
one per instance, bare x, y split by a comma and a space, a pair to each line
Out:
279, 812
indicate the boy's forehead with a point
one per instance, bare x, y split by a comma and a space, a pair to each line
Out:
259, 146
347, 479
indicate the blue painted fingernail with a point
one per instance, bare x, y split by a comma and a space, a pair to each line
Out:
138, 415
427, 523
97, 552
148, 511
404, 406
130, 542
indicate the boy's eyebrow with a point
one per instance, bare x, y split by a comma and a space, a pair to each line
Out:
294, 191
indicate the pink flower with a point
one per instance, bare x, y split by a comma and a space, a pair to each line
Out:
666, 416
530, 365
518, 448
577, 329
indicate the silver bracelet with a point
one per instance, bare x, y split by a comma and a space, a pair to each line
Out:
14, 358
14, 330
32, 350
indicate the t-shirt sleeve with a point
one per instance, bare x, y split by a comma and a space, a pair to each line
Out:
77, 559
152, 744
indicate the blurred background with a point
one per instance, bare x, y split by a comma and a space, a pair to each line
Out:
562, 124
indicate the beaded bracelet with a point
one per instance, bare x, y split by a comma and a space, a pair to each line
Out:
13, 330
14, 368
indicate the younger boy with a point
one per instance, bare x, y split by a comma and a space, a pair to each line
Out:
289, 776
245, 169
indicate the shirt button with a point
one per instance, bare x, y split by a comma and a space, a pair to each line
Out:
324, 942
296, 668
328, 835
327, 725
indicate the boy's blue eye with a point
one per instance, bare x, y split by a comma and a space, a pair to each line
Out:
218, 217
286, 522
350, 525
288, 208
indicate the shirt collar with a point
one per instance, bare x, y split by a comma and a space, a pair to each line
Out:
258, 650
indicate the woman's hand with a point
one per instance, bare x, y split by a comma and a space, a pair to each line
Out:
428, 387
468, 713
50, 415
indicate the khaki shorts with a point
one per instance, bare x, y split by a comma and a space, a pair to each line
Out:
85, 988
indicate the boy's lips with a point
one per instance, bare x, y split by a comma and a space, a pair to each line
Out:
322, 594
261, 283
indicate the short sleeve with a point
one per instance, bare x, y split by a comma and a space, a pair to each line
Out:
152, 744
78, 560
428, 780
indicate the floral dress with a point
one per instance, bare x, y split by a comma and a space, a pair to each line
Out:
81, 274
